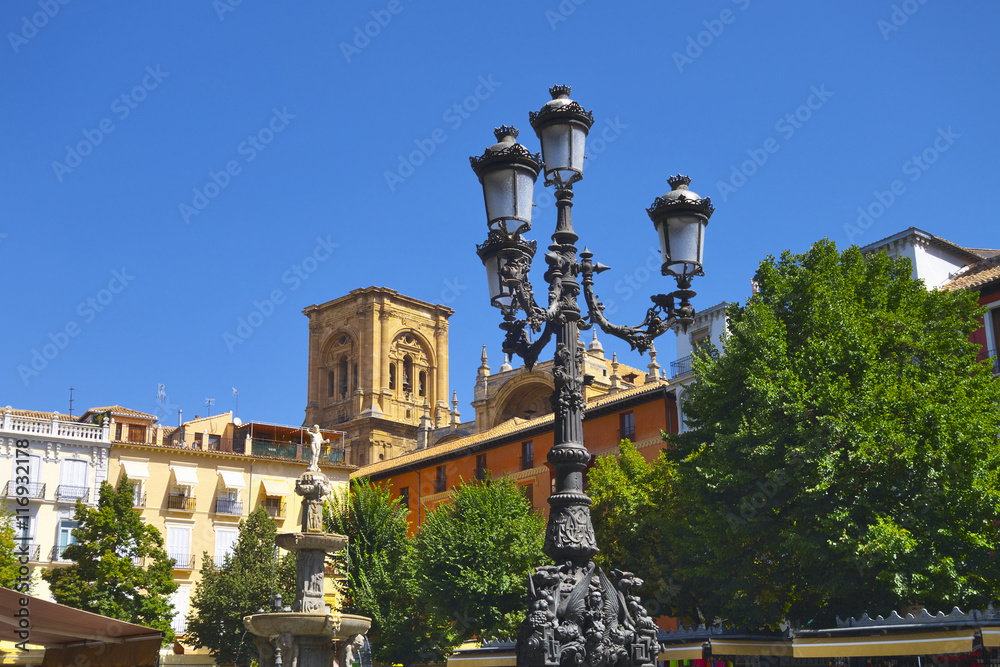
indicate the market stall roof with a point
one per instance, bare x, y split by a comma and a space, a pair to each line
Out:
66, 633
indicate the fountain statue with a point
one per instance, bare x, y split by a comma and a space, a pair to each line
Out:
308, 634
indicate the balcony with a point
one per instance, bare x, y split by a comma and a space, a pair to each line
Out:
70, 494
228, 506
30, 549
680, 367
32, 490
57, 553
182, 559
180, 501
54, 427
292, 450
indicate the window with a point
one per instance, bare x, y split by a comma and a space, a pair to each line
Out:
179, 546
118, 433
422, 384
225, 542
343, 377
274, 506
699, 337
179, 599
404, 497
137, 434
392, 376
626, 425
354, 376
441, 483
528, 491
214, 442
65, 538
29, 466
481, 471
199, 440
331, 384
527, 455
73, 481
139, 493
407, 374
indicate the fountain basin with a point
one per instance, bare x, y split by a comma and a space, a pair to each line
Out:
334, 626
302, 541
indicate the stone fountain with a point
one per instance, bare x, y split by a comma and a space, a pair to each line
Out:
308, 634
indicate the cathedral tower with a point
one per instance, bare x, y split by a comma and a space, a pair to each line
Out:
378, 361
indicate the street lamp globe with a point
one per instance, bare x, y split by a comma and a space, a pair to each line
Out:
680, 218
503, 256
507, 171
562, 126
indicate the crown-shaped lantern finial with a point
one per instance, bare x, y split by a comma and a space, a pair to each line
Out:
679, 181
505, 130
560, 91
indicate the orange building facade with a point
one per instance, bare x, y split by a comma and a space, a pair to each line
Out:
518, 448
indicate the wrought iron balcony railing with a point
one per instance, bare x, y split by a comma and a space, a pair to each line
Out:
23, 548
228, 506
177, 501
30, 490
67, 493
680, 367
182, 559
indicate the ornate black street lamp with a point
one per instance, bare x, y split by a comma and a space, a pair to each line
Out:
578, 616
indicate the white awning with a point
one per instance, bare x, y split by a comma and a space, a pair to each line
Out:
136, 469
185, 476
275, 488
232, 479
928, 643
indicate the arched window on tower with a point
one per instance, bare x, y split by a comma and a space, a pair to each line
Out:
392, 376
343, 377
407, 374
331, 384
422, 383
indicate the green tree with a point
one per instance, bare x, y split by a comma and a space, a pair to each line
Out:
379, 569
246, 582
473, 557
634, 506
843, 454
119, 568
9, 564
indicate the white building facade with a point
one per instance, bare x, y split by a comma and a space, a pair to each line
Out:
52, 462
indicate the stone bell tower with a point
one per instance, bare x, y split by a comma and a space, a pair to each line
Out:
378, 361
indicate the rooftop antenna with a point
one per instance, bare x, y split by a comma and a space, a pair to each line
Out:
209, 402
160, 395
71, 403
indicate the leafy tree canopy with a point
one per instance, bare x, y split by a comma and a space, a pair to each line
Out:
246, 582
842, 455
119, 568
379, 569
10, 566
473, 557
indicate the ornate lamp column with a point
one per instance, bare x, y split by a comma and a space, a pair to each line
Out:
578, 616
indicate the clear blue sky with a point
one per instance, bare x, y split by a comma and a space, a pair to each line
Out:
114, 114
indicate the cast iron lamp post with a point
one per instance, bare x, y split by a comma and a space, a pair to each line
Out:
578, 616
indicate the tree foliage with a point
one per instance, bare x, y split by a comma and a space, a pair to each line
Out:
842, 455
120, 568
9, 563
379, 568
246, 582
473, 557
634, 508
